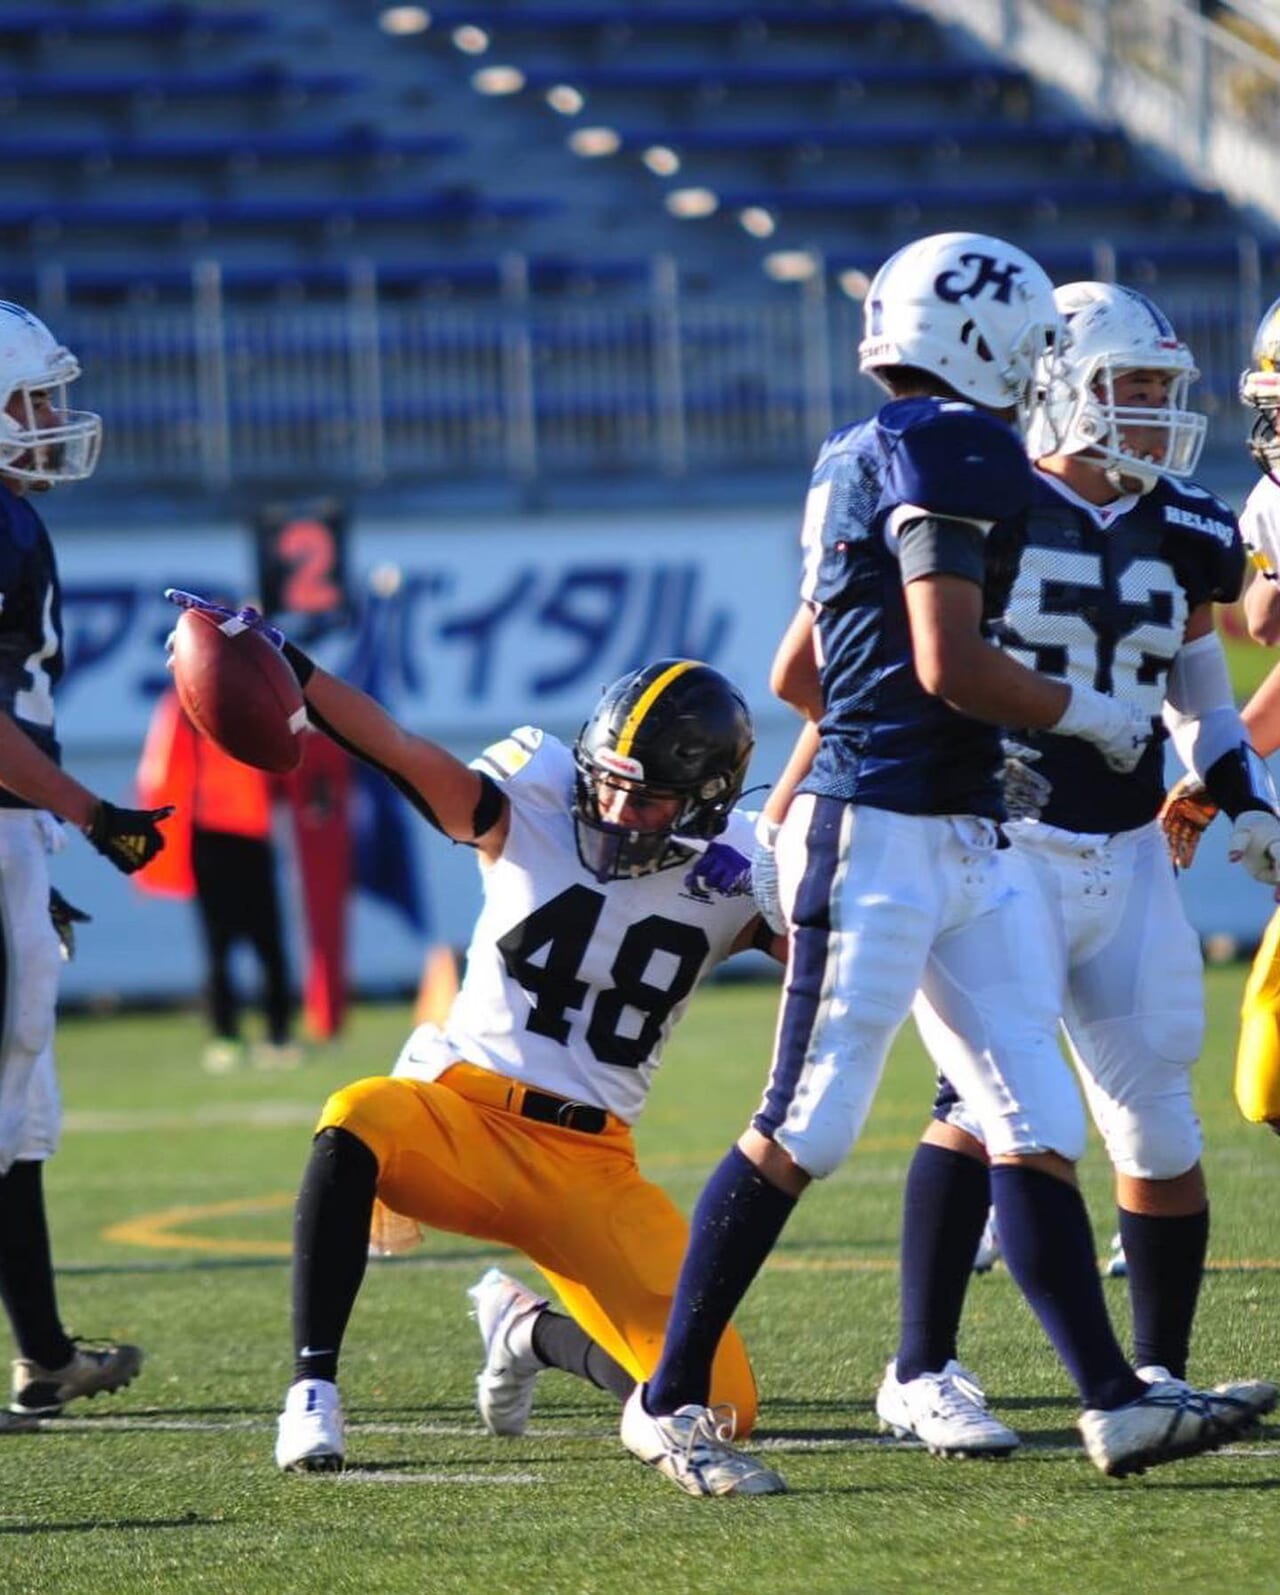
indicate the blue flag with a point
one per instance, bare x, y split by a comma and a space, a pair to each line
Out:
382, 838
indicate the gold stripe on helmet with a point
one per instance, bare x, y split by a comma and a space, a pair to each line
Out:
648, 697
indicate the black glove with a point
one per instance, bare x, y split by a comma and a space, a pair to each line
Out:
130, 838
66, 916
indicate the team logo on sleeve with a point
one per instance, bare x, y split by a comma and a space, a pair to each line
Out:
504, 759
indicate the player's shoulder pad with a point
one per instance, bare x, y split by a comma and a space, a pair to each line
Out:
504, 760
953, 459
530, 766
1203, 525
1186, 507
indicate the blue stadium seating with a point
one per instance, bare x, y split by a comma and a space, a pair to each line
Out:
150, 22
254, 82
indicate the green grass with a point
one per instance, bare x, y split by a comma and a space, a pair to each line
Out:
169, 1486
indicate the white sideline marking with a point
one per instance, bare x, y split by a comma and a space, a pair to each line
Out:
468, 1431
357, 1477
123, 1121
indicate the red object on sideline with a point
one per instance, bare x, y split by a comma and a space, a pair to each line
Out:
318, 793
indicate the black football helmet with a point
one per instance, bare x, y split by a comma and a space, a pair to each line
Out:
1260, 390
677, 728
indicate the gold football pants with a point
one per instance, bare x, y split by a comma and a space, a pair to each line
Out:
451, 1154
1258, 1051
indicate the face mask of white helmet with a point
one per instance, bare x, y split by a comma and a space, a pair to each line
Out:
42, 440
1260, 390
1112, 331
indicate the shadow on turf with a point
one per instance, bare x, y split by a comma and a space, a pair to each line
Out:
189, 1520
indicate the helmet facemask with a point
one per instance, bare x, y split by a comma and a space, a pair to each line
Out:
621, 852
1260, 390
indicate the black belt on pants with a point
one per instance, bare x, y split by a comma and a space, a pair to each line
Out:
547, 1109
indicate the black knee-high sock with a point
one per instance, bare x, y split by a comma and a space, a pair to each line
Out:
735, 1223
26, 1269
1048, 1248
944, 1207
1166, 1264
330, 1248
561, 1343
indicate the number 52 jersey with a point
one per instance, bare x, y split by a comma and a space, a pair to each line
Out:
572, 984
1101, 598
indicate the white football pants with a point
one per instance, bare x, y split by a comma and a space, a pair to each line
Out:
883, 905
30, 1109
1131, 992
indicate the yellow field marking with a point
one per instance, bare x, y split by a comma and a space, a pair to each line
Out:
165, 1231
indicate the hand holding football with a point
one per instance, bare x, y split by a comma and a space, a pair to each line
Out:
238, 691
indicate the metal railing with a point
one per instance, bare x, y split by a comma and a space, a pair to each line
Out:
215, 393
1206, 94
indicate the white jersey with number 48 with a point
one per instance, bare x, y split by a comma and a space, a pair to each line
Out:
574, 984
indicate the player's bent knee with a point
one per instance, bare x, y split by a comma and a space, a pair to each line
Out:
1154, 1141
372, 1110
817, 1150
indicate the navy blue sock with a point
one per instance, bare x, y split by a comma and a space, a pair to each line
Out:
738, 1218
1048, 1248
1166, 1264
944, 1207
330, 1248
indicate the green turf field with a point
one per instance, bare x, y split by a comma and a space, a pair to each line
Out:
171, 1201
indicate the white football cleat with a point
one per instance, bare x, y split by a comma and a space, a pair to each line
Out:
691, 1448
311, 1431
505, 1311
947, 1411
1256, 1395
1172, 1420
1117, 1264
988, 1253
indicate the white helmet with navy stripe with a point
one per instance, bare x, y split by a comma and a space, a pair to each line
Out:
973, 310
41, 440
1113, 330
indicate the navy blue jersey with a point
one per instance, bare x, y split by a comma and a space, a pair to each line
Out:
31, 658
885, 741
1107, 606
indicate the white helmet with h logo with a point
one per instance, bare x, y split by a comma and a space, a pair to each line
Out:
41, 440
973, 310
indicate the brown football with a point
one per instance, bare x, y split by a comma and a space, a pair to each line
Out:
239, 692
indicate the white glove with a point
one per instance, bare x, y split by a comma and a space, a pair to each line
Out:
1119, 730
1255, 843
764, 877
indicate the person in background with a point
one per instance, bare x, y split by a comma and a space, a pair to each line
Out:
223, 855
1190, 808
42, 442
